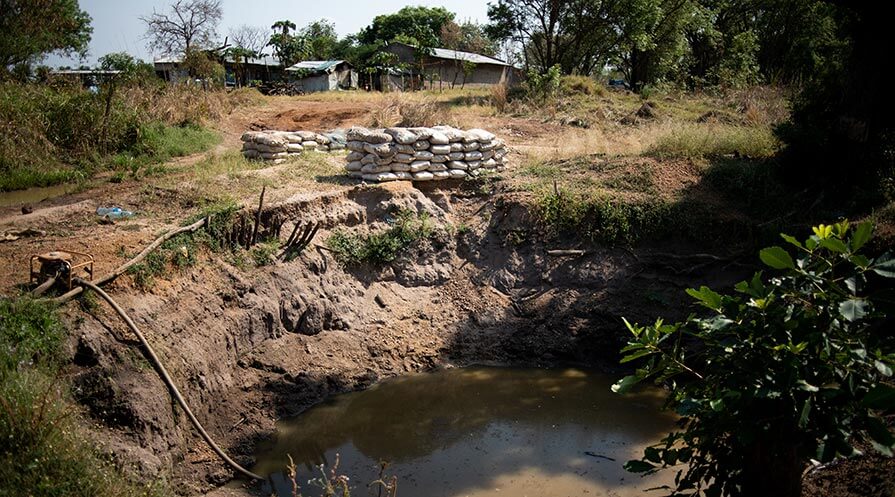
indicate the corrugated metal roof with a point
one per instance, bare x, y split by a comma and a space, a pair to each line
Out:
446, 53
315, 65
267, 60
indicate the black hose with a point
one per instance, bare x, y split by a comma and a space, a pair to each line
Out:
167, 379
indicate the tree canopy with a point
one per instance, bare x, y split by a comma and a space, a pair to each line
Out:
419, 24
31, 29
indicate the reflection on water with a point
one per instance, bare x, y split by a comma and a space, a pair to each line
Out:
476, 432
33, 195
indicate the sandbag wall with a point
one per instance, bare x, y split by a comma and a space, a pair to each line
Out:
276, 146
422, 154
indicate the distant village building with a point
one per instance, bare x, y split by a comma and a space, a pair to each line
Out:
254, 69
322, 75
448, 67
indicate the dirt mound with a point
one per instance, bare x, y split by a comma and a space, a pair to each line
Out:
314, 116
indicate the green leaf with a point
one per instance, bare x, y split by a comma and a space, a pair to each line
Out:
885, 267
860, 261
880, 434
853, 309
792, 240
777, 258
625, 384
717, 404
804, 385
883, 368
861, 236
706, 296
880, 397
806, 411
636, 355
637, 466
835, 245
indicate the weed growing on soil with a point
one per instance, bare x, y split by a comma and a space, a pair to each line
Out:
600, 218
42, 450
263, 253
714, 140
381, 247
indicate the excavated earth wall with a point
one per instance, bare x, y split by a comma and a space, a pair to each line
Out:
250, 346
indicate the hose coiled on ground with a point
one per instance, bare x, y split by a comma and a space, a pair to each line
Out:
167, 379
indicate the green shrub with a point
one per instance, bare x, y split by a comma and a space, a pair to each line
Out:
43, 450
580, 85
383, 246
791, 367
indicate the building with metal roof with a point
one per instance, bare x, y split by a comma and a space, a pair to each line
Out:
322, 75
443, 66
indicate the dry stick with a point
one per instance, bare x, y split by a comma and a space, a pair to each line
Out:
258, 216
292, 236
74, 292
561, 253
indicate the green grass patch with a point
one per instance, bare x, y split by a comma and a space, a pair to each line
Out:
601, 218
714, 140
381, 247
43, 449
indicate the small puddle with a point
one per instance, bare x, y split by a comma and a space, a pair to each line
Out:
477, 431
33, 195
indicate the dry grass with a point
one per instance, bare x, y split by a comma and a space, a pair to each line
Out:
714, 140
403, 109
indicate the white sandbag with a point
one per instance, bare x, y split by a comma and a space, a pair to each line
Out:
250, 135
422, 133
486, 146
452, 134
434, 167
456, 147
249, 146
354, 166
271, 141
307, 135
375, 168
474, 164
294, 138
334, 145
355, 146
269, 149
440, 175
470, 146
272, 156
381, 149
440, 149
489, 164
310, 145
454, 164
251, 154
423, 176
479, 135
321, 139
353, 156
420, 165
369, 159
397, 167
402, 135
405, 158
423, 155
405, 149
440, 158
294, 147
473, 156
421, 145
487, 155
355, 174
381, 177
403, 176
457, 173
438, 138
357, 133
457, 156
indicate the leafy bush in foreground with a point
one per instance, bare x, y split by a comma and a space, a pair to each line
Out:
790, 368
384, 246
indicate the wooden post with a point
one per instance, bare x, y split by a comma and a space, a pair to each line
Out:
258, 217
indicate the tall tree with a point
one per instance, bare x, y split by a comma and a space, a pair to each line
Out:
319, 40
408, 23
250, 38
190, 24
31, 29
286, 47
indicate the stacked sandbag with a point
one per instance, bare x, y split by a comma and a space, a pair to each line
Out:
422, 154
276, 146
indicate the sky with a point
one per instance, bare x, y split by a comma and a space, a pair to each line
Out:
117, 26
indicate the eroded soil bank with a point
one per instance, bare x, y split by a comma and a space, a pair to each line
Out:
251, 346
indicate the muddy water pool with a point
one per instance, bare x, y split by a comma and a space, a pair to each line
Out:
477, 431
34, 195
